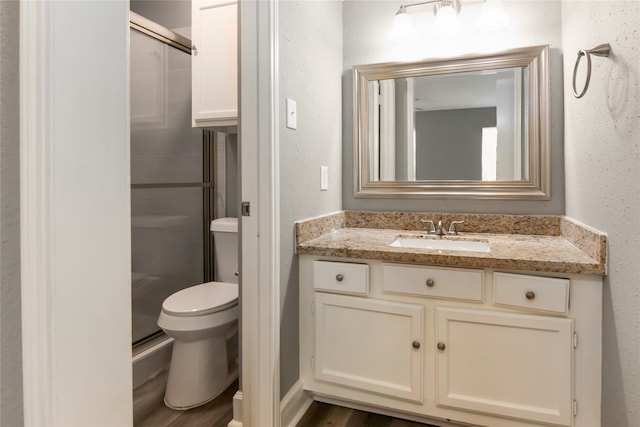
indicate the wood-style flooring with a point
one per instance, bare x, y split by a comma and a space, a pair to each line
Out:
322, 414
149, 409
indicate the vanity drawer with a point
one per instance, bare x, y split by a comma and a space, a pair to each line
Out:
531, 292
341, 277
433, 282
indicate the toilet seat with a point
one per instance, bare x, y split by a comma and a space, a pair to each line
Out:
202, 299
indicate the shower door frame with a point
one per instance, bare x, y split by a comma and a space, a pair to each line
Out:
164, 35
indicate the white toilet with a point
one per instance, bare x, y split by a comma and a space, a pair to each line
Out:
203, 320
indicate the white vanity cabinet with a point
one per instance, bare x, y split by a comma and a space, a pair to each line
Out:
450, 346
364, 343
214, 63
369, 344
507, 364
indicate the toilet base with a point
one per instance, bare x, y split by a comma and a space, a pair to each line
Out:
201, 370
232, 377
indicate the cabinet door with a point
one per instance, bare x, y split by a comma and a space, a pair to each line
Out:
370, 345
505, 364
214, 26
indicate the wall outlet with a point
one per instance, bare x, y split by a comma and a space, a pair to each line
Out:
292, 114
324, 178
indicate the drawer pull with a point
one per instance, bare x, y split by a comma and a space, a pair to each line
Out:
431, 283
339, 277
415, 344
530, 295
441, 346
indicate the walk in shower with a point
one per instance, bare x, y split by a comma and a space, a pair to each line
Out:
172, 199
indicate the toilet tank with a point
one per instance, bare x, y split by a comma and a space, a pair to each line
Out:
225, 243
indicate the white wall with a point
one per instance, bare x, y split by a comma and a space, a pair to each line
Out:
310, 65
10, 324
92, 214
75, 213
602, 155
533, 22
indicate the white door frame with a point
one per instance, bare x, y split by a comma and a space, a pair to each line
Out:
75, 213
46, 316
260, 260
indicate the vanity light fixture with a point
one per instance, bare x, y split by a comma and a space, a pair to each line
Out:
403, 30
447, 25
492, 17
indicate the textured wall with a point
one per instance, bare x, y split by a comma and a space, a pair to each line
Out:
366, 26
10, 317
310, 67
602, 144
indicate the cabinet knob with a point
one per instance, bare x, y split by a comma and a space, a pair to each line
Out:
431, 283
415, 344
441, 346
194, 49
339, 277
530, 295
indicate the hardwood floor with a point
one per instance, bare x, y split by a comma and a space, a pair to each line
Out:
322, 414
149, 409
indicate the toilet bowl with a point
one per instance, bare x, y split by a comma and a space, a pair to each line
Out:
203, 320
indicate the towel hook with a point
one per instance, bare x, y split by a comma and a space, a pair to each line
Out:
600, 50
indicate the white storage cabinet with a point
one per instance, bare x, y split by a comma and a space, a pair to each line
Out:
214, 63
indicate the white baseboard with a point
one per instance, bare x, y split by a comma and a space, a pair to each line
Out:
237, 410
294, 405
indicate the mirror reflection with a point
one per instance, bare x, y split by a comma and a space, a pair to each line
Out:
461, 126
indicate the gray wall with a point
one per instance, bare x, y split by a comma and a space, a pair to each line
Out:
168, 13
449, 143
310, 65
366, 26
10, 314
602, 135
231, 180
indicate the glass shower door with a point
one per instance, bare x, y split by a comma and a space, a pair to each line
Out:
170, 182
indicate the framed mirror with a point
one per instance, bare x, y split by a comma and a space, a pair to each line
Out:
475, 126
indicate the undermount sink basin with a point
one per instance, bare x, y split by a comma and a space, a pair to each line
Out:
442, 243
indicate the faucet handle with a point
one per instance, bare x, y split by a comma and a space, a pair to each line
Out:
432, 227
452, 227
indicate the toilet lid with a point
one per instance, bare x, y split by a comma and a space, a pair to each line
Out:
202, 299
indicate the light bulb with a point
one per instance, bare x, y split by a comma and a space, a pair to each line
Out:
403, 30
447, 24
492, 17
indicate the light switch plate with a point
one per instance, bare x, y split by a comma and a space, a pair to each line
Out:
292, 114
324, 178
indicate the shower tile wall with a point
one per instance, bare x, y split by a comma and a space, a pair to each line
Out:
166, 154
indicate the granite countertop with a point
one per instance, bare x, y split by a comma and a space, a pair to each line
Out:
551, 252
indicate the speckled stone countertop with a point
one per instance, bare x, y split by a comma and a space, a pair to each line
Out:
537, 243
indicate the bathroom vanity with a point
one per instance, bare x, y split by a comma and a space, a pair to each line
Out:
506, 337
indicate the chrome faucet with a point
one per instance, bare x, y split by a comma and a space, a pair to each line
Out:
433, 229
440, 229
452, 228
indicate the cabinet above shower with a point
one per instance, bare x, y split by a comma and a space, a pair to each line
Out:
214, 63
